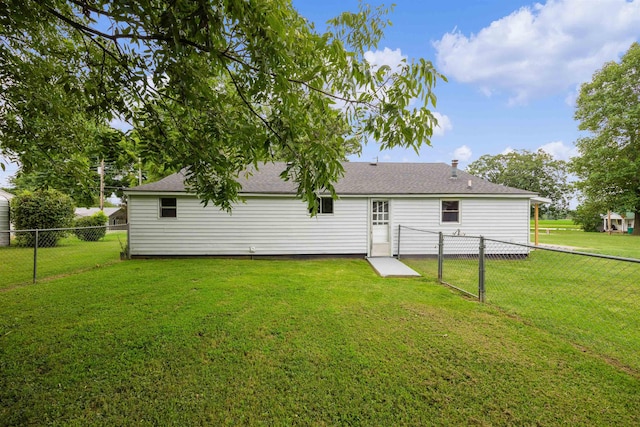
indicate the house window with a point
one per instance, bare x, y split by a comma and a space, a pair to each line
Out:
450, 211
168, 207
325, 206
380, 212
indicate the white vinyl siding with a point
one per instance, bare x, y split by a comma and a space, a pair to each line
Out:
274, 225
500, 219
269, 225
4, 222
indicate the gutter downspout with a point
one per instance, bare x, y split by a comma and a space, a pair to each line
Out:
535, 221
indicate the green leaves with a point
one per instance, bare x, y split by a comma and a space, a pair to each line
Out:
39, 210
537, 172
608, 108
99, 219
210, 87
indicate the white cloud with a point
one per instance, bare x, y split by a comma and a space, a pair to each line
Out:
541, 50
462, 153
559, 150
392, 58
507, 150
444, 124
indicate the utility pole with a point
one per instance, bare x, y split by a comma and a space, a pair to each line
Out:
102, 185
139, 171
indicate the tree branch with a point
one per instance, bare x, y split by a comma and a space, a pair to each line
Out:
164, 38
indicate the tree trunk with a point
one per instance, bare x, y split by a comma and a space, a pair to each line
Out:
636, 221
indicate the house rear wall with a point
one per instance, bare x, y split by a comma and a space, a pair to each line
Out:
499, 219
282, 226
272, 226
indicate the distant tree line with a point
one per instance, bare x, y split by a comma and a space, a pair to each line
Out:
608, 165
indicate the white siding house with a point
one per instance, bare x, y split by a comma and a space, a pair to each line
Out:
116, 216
5, 225
373, 201
619, 222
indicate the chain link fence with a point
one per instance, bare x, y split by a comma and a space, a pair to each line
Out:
29, 255
590, 299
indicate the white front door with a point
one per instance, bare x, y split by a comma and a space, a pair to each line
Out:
380, 233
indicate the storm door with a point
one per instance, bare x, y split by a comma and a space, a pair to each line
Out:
380, 228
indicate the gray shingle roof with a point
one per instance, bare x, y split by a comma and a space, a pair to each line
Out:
6, 195
81, 212
361, 179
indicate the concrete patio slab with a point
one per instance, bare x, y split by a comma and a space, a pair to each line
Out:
391, 267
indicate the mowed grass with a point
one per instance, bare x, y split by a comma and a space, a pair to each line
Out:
70, 255
561, 224
327, 342
616, 244
590, 301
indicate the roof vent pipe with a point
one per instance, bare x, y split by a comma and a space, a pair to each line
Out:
454, 169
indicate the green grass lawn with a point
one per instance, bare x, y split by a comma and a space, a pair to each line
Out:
71, 255
561, 224
623, 245
228, 342
590, 301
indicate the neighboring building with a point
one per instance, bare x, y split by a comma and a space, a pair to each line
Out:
373, 200
117, 216
5, 220
620, 223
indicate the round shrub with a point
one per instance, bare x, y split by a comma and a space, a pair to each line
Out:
41, 209
98, 219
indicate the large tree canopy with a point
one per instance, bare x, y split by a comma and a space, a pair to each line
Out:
526, 170
608, 107
210, 86
80, 178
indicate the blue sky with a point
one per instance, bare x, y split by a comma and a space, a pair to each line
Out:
514, 68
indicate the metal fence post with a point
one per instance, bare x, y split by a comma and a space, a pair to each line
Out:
35, 257
128, 255
399, 228
481, 270
440, 255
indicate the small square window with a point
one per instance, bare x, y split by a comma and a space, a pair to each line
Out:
450, 211
325, 206
168, 207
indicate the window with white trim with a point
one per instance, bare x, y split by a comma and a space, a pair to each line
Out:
325, 206
450, 211
168, 207
380, 212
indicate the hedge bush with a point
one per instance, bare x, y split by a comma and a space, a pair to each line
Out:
91, 234
41, 209
588, 215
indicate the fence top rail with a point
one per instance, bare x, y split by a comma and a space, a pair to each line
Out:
565, 251
454, 234
524, 245
62, 229
418, 229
